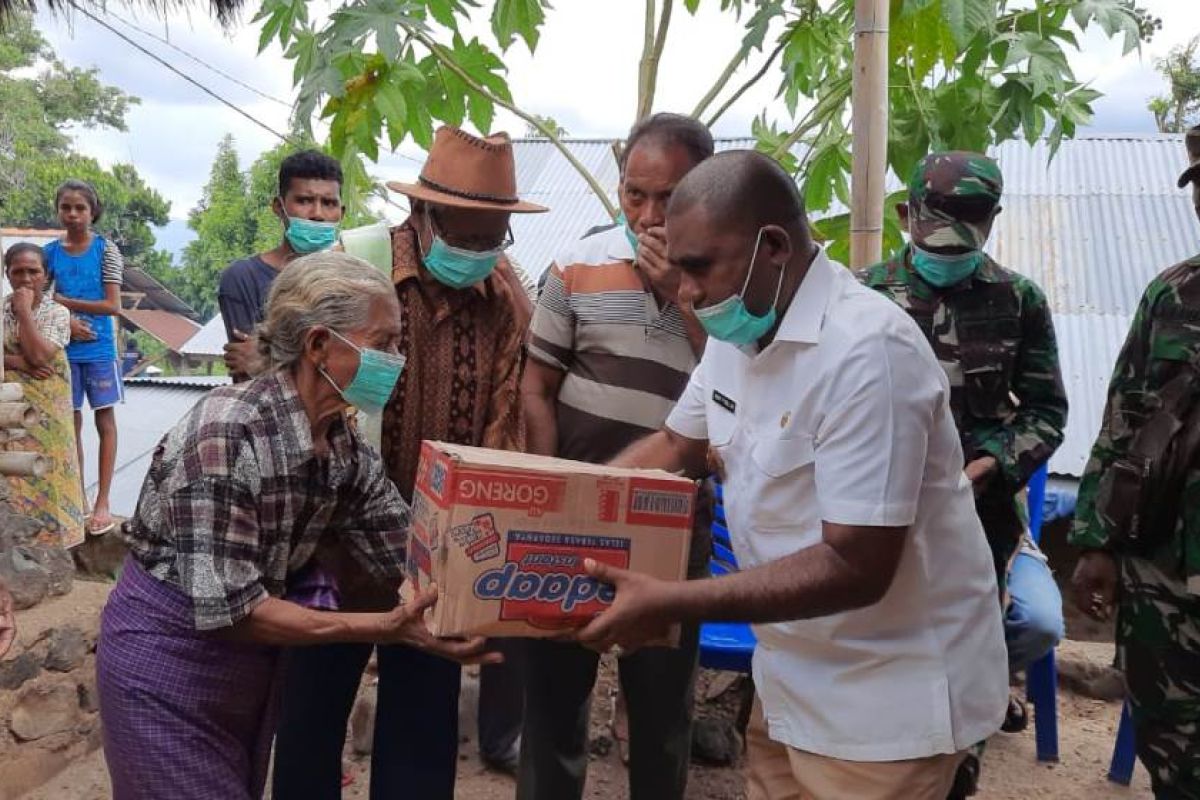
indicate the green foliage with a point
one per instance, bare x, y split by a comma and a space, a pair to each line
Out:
1179, 109
35, 149
390, 70
961, 74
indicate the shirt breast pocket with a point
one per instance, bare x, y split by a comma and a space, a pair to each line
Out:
783, 469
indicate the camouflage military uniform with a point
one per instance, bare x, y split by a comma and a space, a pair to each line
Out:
993, 335
1158, 610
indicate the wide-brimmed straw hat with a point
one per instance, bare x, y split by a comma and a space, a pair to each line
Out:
465, 171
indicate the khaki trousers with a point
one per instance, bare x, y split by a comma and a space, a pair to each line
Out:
775, 771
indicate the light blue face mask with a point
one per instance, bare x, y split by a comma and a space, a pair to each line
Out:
942, 270
629, 234
730, 320
374, 380
309, 236
457, 267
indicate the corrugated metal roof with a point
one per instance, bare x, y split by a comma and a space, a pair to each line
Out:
171, 329
152, 407
209, 341
1092, 227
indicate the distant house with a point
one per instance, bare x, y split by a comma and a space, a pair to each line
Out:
1092, 227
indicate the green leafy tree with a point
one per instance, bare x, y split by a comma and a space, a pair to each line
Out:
1178, 110
962, 74
35, 148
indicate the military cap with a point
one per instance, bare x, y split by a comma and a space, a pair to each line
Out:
1191, 141
952, 199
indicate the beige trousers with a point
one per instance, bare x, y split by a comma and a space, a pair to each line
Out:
775, 771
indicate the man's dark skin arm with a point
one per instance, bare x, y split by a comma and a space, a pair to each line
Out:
852, 567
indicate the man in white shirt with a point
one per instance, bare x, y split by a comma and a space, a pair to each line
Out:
880, 657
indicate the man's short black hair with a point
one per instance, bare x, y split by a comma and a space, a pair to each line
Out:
670, 130
741, 187
310, 164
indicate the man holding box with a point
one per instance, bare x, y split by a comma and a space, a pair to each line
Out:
610, 350
881, 657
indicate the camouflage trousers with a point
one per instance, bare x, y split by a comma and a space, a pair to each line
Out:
1158, 638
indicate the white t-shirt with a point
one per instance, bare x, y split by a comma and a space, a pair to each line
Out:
845, 417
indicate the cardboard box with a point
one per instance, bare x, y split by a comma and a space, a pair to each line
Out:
504, 536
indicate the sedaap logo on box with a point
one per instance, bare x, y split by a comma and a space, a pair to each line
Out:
542, 580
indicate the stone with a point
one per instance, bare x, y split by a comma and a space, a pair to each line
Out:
362, 724
1098, 681
89, 697
15, 671
67, 649
26, 579
42, 711
58, 565
715, 742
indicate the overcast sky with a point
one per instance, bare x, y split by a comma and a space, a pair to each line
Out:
583, 75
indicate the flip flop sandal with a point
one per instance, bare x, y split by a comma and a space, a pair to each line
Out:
1016, 719
103, 529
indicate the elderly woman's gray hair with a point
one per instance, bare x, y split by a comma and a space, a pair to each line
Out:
330, 289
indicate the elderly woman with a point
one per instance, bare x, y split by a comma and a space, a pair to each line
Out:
36, 329
238, 498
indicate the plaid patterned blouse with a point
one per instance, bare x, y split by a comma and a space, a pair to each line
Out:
236, 502
53, 321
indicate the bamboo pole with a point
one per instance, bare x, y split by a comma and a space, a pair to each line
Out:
11, 392
23, 464
870, 125
18, 415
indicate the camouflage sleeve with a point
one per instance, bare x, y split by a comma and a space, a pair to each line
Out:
1115, 433
1036, 431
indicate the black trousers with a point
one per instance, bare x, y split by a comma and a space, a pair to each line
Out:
415, 752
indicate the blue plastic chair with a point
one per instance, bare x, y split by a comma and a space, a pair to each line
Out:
1042, 676
1124, 753
725, 645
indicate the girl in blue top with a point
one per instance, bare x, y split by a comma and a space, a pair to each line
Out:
86, 269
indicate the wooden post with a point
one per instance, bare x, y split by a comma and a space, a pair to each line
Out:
870, 127
23, 464
18, 415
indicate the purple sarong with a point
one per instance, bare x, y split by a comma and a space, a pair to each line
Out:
186, 715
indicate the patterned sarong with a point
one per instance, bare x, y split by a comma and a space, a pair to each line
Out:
186, 715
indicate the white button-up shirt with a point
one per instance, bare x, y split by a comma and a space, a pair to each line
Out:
844, 417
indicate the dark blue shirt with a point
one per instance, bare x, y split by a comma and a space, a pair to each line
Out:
242, 294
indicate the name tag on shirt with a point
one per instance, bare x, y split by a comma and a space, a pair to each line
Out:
724, 402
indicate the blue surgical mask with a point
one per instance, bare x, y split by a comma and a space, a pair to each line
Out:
309, 236
629, 234
943, 270
457, 267
730, 320
374, 380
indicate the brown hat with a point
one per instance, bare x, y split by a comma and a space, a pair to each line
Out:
465, 171
1191, 140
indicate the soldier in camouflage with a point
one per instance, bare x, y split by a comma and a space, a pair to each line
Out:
990, 329
1153, 577
992, 333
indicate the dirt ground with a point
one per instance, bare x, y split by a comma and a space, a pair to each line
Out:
1087, 729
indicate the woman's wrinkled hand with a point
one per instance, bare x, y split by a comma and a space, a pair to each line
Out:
405, 624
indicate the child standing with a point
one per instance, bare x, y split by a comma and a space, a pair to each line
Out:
86, 269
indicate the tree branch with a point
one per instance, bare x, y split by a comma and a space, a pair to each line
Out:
745, 87
824, 109
652, 49
738, 59
531, 119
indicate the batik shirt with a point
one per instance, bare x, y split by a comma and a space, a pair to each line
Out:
236, 501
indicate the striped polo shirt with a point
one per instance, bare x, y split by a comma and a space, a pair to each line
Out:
626, 360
